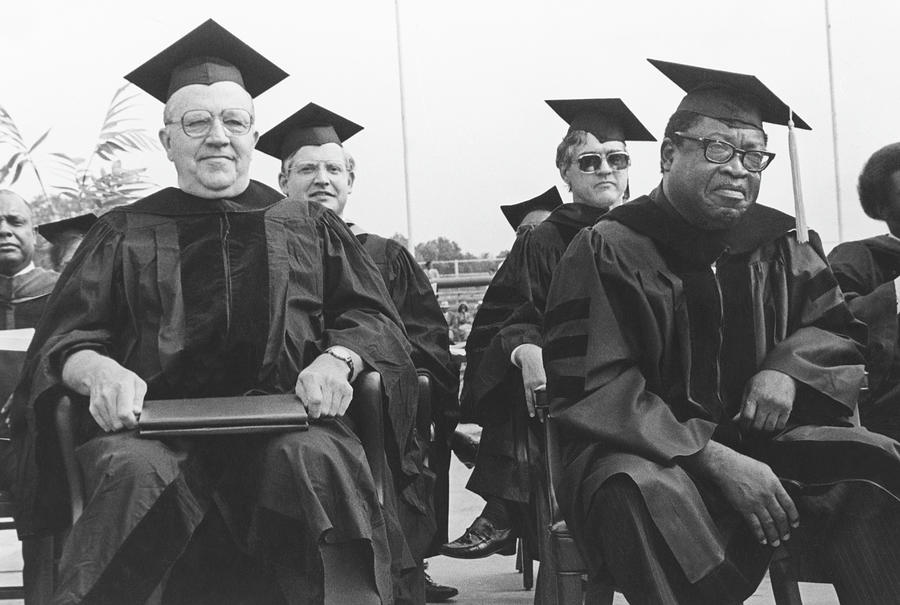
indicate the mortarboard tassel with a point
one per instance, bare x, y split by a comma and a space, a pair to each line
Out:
799, 212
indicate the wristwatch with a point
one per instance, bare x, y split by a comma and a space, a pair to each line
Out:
343, 355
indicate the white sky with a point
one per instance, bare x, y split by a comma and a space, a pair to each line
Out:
475, 76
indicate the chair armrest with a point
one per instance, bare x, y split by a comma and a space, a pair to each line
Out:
551, 461
64, 417
424, 424
367, 413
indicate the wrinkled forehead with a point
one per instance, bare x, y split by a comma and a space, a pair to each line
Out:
214, 97
739, 132
329, 152
593, 145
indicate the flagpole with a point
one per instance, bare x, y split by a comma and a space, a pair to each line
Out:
410, 243
834, 129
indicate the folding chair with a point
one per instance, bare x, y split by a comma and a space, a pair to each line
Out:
562, 572
438, 456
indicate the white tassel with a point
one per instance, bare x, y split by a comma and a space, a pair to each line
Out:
799, 212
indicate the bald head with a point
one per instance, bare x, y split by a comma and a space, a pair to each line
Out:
16, 233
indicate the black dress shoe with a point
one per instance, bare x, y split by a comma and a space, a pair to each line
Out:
481, 540
437, 593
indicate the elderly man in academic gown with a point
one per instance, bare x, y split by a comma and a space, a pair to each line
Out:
219, 287
703, 370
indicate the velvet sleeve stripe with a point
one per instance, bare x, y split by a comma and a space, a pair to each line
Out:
502, 294
493, 315
838, 315
822, 284
566, 387
567, 346
570, 310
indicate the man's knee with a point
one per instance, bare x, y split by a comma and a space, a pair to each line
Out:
320, 448
618, 500
126, 458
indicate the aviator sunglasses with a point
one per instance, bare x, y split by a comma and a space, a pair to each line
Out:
591, 162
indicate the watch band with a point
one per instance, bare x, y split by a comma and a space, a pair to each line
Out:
345, 357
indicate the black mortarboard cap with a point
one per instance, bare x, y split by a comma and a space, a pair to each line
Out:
606, 119
729, 96
516, 213
79, 224
208, 54
311, 125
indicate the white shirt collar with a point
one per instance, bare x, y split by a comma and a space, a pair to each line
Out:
28, 267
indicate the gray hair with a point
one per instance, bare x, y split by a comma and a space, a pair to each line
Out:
565, 151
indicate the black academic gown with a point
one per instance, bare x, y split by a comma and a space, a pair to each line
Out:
866, 270
636, 380
22, 301
502, 465
426, 328
201, 298
22, 297
506, 292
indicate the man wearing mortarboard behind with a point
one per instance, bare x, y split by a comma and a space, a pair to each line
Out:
526, 215
317, 169
703, 372
503, 358
64, 236
502, 297
215, 288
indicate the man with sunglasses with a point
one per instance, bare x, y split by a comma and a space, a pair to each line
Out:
703, 373
504, 366
216, 287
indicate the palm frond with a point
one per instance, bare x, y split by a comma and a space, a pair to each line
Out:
114, 137
9, 131
40, 140
5, 170
19, 168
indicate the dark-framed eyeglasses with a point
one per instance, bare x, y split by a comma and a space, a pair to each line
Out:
591, 162
198, 123
721, 152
